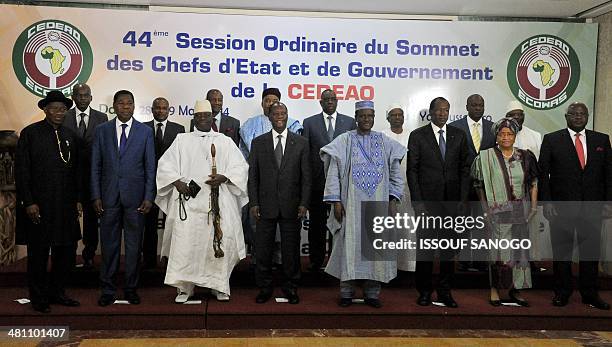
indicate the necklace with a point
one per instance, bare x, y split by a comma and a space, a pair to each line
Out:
59, 147
508, 156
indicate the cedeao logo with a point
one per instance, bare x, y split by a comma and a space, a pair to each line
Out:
543, 72
52, 55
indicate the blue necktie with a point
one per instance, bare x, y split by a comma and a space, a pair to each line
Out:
123, 139
442, 143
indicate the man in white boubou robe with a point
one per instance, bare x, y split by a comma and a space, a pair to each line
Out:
188, 233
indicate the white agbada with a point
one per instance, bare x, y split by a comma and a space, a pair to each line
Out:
188, 243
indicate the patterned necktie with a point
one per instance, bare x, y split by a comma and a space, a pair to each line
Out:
580, 151
442, 143
214, 124
159, 137
82, 125
278, 151
476, 136
330, 128
123, 139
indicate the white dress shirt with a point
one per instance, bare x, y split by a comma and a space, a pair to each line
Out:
529, 139
333, 120
78, 112
471, 123
120, 129
436, 130
163, 128
275, 139
583, 139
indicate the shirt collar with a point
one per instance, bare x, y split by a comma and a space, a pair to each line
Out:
573, 133
155, 122
436, 129
129, 123
333, 115
471, 122
78, 112
283, 134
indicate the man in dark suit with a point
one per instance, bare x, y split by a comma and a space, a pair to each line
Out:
47, 175
479, 137
320, 130
222, 123
165, 132
83, 120
279, 191
123, 188
575, 180
438, 176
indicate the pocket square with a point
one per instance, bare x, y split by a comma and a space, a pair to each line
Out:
599, 149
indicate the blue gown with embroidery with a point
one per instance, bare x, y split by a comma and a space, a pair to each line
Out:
360, 168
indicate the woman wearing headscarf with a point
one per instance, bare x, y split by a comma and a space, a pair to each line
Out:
506, 183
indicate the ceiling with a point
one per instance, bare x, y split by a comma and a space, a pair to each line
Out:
485, 8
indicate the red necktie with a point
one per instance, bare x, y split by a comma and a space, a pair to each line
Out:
580, 151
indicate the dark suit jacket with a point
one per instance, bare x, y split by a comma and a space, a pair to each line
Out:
126, 179
279, 191
562, 178
315, 131
229, 127
172, 129
95, 118
488, 138
429, 177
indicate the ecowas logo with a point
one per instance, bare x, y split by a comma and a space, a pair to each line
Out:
52, 55
543, 72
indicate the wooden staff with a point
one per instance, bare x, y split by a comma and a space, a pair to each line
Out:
215, 210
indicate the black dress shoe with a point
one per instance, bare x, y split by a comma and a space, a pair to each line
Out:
106, 299
64, 301
373, 302
596, 302
447, 300
293, 298
345, 302
132, 298
424, 299
263, 296
560, 300
513, 295
41, 307
495, 303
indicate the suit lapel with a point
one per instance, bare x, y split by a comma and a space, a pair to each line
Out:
464, 123
91, 124
167, 134
289, 149
338, 126
113, 130
132, 134
71, 119
571, 148
433, 142
590, 148
323, 127
222, 124
269, 148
